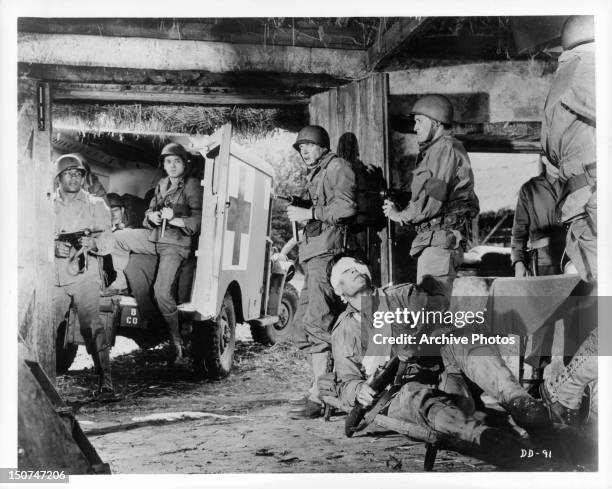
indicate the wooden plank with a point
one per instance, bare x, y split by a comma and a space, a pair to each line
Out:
308, 83
101, 92
333, 118
199, 30
389, 42
36, 220
217, 57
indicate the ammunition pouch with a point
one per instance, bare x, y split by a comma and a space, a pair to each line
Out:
313, 228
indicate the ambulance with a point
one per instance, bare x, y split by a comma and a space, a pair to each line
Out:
235, 276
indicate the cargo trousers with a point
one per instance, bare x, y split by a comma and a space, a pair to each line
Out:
314, 317
171, 258
448, 407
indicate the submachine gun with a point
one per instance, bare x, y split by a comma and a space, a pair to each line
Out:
295, 201
379, 383
73, 239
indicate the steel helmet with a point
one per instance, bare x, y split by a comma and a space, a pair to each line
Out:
577, 29
312, 134
174, 149
436, 107
115, 200
69, 161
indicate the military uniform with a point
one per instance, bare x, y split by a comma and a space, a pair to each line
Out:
331, 186
441, 207
568, 138
443, 404
538, 238
185, 198
82, 287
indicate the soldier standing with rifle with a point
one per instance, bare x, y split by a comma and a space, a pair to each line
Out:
331, 189
78, 278
443, 201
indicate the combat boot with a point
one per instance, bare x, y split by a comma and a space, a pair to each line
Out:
175, 353
106, 391
558, 412
530, 414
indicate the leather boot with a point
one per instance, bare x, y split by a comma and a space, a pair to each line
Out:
175, 353
106, 391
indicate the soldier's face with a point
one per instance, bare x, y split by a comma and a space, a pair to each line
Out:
116, 215
353, 282
174, 166
311, 152
71, 180
424, 127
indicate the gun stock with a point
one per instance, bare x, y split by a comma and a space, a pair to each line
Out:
378, 384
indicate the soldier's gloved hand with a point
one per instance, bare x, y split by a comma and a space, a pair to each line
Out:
365, 395
167, 213
520, 270
88, 242
297, 214
62, 249
327, 385
154, 217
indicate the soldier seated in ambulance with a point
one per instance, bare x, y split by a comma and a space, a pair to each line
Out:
172, 221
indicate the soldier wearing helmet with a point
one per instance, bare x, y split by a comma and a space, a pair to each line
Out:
568, 140
331, 190
77, 210
172, 222
443, 201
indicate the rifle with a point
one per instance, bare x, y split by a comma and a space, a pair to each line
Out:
73, 239
352, 423
296, 202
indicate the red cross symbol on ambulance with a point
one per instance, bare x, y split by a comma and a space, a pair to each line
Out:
239, 216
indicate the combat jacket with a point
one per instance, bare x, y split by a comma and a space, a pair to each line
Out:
568, 126
442, 194
356, 356
331, 187
535, 219
86, 211
185, 199
442, 182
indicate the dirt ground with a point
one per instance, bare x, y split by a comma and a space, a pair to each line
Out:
235, 425
245, 428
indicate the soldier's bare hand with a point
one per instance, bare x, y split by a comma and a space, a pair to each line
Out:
167, 213
298, 214
88, 242
366, 395
62, 249
391, 211
155, 217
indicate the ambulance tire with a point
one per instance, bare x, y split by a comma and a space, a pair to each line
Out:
213, 342
280, 331
64, 355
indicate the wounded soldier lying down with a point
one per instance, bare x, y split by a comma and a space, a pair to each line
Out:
439, 401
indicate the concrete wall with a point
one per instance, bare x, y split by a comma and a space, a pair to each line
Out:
35, 227
481, 92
